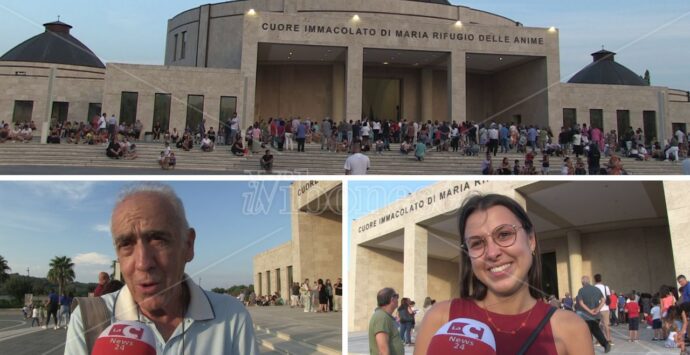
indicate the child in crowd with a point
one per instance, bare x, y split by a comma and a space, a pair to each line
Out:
633, 311
545, 165
163, 161
172, 161
656, 320
35, 313
379, 146
516, 168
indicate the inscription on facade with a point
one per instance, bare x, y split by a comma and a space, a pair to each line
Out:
305, 187
355, 31
414, 206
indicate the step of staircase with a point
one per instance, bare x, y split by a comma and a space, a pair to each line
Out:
313, 161
285, 344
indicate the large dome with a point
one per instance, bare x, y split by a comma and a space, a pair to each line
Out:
55, 45
605, 70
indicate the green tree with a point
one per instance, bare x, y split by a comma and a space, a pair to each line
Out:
61, 271
3, 269
17, 286
218, 290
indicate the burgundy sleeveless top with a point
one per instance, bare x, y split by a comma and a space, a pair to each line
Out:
461, 331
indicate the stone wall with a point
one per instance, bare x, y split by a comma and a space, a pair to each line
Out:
79, 86
180, 82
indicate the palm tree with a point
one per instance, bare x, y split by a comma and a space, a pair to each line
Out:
3, 269
61, 271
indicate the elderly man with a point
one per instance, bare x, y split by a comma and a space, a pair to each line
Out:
153, 242
588, 306
384, 337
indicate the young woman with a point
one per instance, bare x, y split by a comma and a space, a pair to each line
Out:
501, 288
323, 296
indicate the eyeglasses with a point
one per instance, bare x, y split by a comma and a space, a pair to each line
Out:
503, 235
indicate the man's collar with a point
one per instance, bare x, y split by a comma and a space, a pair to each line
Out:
200, 307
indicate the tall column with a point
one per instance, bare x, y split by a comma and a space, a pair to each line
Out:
415, 264
574, 260
677, 195
427, 94
355, 72
338, 108
250, 52
457, 88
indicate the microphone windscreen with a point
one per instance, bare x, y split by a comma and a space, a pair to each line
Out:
126, 337
463, 335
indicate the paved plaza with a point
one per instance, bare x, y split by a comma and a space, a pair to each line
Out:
279, 330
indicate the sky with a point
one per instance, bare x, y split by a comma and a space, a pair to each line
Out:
646, 34
233, 221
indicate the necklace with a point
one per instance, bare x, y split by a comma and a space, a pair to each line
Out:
505, 331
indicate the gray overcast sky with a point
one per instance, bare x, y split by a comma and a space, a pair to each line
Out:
646, 34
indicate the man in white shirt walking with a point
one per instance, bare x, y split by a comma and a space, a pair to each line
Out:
357, 163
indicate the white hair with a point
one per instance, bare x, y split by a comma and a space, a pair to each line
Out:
163, 191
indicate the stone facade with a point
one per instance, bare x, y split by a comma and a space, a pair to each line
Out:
451, 63
179, 82
78, 86
315, 251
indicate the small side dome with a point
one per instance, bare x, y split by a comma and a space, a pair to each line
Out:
55, 45
605, 70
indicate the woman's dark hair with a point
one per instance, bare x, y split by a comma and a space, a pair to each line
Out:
404, 302
470, 285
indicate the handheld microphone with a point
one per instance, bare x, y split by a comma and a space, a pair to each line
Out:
125, 337
463, 335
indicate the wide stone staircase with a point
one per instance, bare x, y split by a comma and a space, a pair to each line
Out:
312, 162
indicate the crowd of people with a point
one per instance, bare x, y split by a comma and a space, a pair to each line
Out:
20, 132
576, 150
55, 306
319, 297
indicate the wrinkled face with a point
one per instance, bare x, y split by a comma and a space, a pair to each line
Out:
502, 269
151, 248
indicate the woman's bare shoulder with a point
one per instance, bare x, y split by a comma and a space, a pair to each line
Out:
567, 319
571, 334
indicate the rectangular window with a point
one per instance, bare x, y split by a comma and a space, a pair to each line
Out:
59, 112
175, 48
596, 118
183, 46
195, 112
22, 111
228, 106
622, 122
569, 117
161, 111
94, 111
128, 107
649, 126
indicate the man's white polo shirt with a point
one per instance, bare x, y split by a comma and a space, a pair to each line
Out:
214, 324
